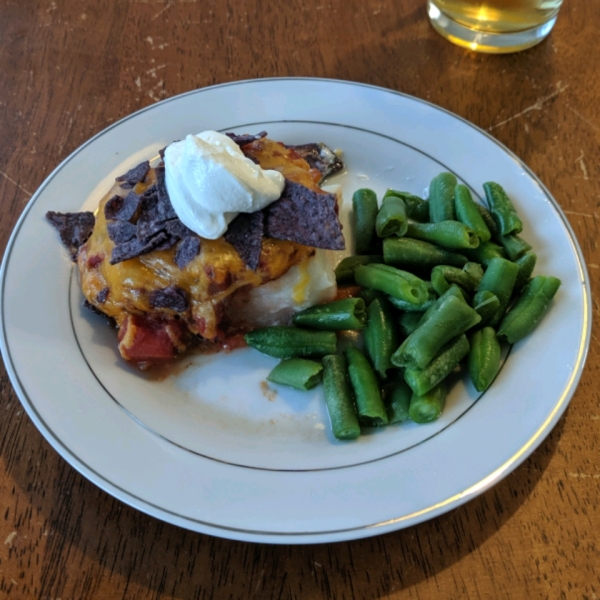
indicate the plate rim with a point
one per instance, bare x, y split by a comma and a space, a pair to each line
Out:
306, 537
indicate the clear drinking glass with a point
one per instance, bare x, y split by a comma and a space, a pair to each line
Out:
494, 25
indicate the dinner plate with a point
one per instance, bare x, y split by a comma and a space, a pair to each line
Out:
213, 447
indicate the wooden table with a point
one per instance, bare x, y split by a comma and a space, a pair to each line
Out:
72, 67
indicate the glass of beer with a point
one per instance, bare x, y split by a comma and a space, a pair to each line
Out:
496, 26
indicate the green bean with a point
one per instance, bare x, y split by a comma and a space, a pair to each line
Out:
529, 308
450, 235
408, 322
474, 270
290, 342
514, 245
427, 407
348, 313
502, 209
453, 290
526, 264
467, 213
364, 204
368, 295
423, 380
484, 358
443, 276
408, 307
338, 397
484, 253
397, 401
416, 254
486, 304
417, 209
299, 373
441, 198
369, 405
380, 335
344, 272
499, 279
391, 218
487, 217
451, 318
395, 282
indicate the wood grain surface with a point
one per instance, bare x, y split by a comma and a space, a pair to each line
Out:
69, 68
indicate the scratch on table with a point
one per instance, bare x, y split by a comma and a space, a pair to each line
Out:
579, 214
16, 183
161, 93
584, 170
560, 87
593, 266
584, 475
153, 70
138, 82
584, 119
9, 540
167, 6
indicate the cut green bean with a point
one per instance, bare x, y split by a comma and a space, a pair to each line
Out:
369, 404
499, 279
397, 401
417, 209
348, 313
441, 198
475, 270
395, 282
339, 399
514, 245
502, 209
529, 308
486, 215
453, 290
380, 335
364, 205
526, 266
484, 253
344, 272
486, 304
443, 276
291, 342
428, 407
423, 380
408, 307
484, 358
468, 213
299, 373
391, 218
409, 253
450, 235
408, 322
450, 319
368, 295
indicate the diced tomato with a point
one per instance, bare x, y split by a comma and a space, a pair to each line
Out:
142, 339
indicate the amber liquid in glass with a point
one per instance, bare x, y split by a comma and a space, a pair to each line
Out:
500, 16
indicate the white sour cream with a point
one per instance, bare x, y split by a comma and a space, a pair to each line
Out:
210, 182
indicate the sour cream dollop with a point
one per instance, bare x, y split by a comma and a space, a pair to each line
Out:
210, 182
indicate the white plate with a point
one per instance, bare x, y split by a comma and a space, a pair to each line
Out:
210, 449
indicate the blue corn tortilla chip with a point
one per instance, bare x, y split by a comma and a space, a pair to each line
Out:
245, 234
305, 217
177, 229
102, 295
74, 228
122, 208
135, 175
245, 138
170, 297
165, 207
187, 251
320, 157
121, 231
135, 247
